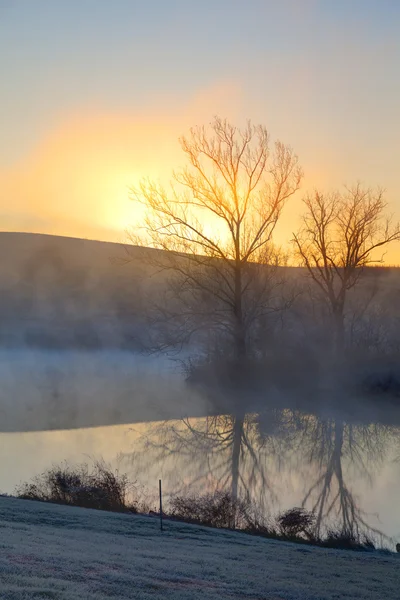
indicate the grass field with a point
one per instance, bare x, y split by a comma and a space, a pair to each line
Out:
60, 553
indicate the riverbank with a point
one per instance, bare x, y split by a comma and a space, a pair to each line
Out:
50, 551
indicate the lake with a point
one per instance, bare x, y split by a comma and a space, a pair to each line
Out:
138, 415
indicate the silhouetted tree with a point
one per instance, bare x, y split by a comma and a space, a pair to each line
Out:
338, 239
215, 225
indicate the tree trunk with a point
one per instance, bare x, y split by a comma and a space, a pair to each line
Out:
239, 332
347, 519
236, 451
240, 356
338, 332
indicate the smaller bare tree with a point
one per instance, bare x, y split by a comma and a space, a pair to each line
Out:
340, 236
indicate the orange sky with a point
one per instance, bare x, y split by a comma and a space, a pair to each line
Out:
76, 180
90, 105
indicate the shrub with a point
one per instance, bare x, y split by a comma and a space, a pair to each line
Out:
219, 509
296, 522
99, 487
347, 540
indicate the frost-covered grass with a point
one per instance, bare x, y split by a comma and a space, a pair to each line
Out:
55, 552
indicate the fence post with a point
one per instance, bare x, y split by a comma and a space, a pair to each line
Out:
161, 514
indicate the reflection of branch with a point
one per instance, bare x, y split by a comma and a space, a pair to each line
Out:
205, 451
221, 452
331, 444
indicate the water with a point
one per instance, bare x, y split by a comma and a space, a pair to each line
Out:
346, 470
61, 390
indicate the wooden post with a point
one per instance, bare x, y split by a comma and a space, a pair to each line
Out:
161, 515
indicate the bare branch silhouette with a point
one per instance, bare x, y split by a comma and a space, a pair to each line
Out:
215, 224
340, 235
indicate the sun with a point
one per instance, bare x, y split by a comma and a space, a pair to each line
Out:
116, 209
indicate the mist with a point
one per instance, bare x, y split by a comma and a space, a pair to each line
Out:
83, 377
77, 347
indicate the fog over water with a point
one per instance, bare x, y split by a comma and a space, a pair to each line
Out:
44, 389
346, 470
290, 430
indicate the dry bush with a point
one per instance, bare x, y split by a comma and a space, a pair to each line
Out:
97, 487
218, 509
348, 541
296, 522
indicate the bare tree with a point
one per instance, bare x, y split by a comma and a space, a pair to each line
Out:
215, 224
338, 239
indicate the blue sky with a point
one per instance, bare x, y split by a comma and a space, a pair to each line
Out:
323, 75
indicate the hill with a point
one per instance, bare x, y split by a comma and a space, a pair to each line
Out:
58, 292
63, 553
66, 292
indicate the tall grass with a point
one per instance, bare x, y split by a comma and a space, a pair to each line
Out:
97, 487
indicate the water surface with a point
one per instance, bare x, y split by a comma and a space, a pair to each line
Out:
346, 470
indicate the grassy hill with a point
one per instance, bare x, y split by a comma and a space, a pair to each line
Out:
50, 551
67, 292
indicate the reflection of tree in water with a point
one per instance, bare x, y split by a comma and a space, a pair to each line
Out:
229, 452
341, 452
244, 453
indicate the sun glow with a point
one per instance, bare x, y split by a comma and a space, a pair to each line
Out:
79, 177
77, 181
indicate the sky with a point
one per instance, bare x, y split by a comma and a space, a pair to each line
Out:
94, 95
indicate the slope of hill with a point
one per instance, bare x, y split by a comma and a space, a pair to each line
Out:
62, 553
58, 292
66, 292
